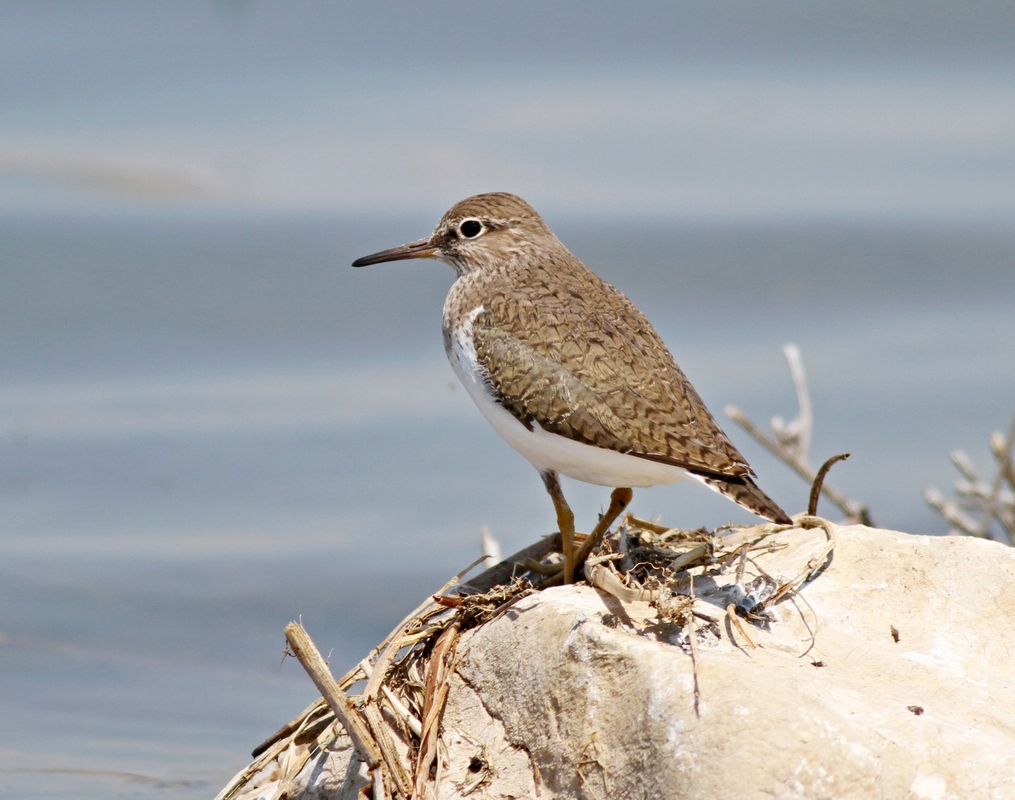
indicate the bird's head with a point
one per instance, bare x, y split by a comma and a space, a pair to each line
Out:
478, 233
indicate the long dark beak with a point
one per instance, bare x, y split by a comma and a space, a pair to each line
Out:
421, 248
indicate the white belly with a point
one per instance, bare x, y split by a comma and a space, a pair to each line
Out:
548, 451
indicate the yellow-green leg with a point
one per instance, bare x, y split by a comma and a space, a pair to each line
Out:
619, 500
565, 522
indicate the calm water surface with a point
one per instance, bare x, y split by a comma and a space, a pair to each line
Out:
210, 428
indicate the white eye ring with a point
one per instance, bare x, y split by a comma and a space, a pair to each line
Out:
471, 228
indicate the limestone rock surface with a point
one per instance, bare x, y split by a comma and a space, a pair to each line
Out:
890, 675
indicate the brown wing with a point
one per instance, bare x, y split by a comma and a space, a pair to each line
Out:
593, 369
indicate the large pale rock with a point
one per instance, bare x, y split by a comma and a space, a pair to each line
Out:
573, 694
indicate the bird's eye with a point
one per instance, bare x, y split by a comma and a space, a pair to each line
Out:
471, 228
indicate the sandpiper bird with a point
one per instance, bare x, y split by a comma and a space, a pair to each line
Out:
567, 370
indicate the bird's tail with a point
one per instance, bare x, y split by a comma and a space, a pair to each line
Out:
746, 493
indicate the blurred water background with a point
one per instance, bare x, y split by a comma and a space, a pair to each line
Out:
210, 424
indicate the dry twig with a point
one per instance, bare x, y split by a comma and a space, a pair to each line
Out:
790, 441
310, 657
994, 502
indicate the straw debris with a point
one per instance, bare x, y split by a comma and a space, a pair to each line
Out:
694, 580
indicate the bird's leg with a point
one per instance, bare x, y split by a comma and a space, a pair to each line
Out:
565, 522
618, 502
